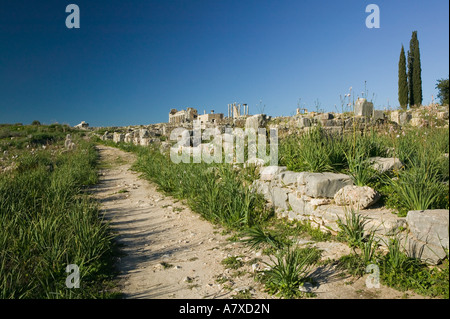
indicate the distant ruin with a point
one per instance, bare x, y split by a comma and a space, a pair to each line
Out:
235, 110
364, 117
210, 117
82, 125
183, 116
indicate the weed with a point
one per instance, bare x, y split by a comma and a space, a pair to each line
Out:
418, 188
352, 229
233, 238
257, 236
360, 167
166, 265
288, 271
353, 263
233, 262
314, 151
221, 279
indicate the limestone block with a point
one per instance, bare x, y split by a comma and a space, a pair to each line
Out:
430, 226
128, 138
384, 164
404, 118
269, 172
322, 184
363, 107
255, 161
378, 115
287, 178
358, 197
143, 133
297, 204
304, 122
324, 116
383, 222
279, 197
319, 201
442, 115
416, 121
395, 117
428, 253
144, 141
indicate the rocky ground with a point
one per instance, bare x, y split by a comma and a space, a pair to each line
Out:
170, 252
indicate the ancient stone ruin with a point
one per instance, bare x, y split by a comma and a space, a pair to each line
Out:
319, 198
324, 198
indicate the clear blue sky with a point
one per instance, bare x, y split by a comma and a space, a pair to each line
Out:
132, 61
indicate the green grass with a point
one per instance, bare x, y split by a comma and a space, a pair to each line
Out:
422, 183
313, 151
48, 221
218, 192
398, 270
19, 136
359, 167
402, 272
419, 187
303, 229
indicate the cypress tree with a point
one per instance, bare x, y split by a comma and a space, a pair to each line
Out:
414, 72
402, 81
410, 71
417, 76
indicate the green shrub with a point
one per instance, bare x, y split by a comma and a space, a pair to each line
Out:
288, 270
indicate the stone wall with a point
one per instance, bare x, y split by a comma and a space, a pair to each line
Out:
317, 198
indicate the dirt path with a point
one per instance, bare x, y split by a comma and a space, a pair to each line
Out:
170, 252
